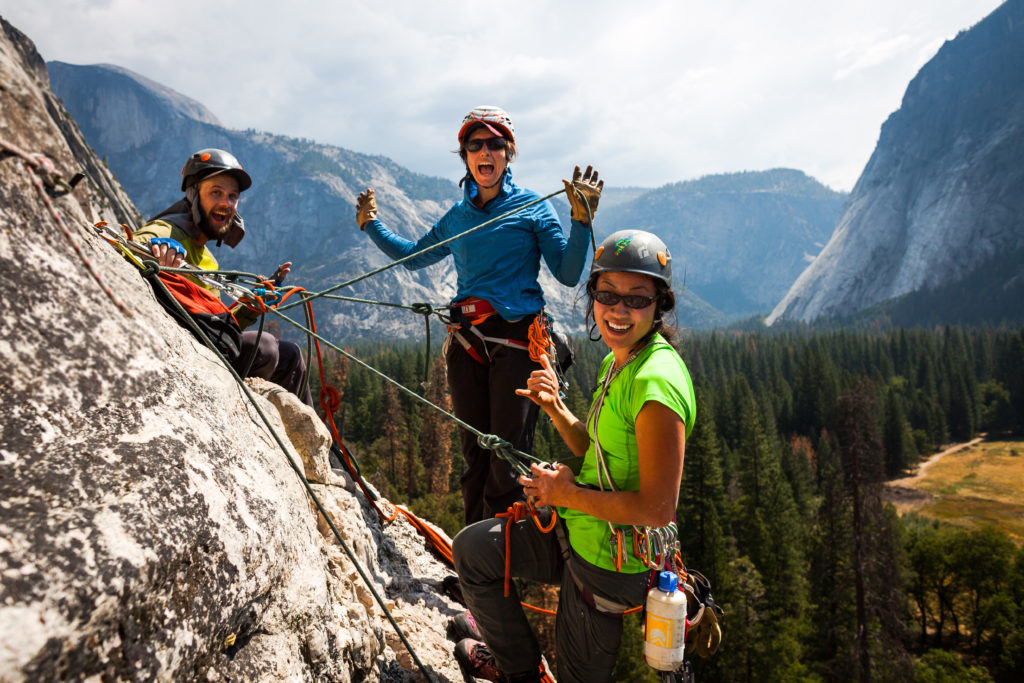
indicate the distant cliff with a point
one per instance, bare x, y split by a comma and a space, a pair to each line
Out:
941, 200
301, 207
151, 528
739, 239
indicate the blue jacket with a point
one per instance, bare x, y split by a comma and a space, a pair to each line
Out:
499, 263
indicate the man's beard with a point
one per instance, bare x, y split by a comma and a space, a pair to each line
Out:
207, 228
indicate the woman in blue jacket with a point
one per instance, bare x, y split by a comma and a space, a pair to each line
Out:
498, 296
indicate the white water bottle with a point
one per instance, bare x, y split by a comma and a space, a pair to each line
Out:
665, 625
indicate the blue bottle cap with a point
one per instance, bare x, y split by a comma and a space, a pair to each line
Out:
668, 582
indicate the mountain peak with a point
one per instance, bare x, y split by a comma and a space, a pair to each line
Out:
130, 108
943, 192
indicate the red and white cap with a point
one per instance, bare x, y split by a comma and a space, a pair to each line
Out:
495, 118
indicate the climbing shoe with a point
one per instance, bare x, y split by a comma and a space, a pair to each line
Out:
463, 626
453, 589
476, 661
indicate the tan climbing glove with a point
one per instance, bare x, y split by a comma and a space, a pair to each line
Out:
709, 633
366, 208
703, 632
584, 191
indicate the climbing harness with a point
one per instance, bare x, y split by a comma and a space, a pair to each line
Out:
474, 311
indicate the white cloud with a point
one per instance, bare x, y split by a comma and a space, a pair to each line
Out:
650, 94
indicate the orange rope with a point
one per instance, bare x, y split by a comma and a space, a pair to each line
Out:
540, 339
330, 401
518, 511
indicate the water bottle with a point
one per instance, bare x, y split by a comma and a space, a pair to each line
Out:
665, 625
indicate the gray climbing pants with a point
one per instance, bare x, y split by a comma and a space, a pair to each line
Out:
587, 641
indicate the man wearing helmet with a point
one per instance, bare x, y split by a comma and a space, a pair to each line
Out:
498, 297
212, 180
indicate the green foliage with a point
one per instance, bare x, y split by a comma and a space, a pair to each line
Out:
631, 667
943, 666
779, 504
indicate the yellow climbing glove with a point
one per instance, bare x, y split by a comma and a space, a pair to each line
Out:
584, 191
366, 208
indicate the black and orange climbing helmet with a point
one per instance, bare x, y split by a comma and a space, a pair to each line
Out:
212, 161
634, 251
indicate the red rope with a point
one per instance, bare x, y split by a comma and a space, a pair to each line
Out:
37, 166
330, 401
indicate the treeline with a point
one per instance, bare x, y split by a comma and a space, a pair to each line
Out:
781, 503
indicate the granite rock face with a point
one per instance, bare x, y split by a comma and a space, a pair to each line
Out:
151, 527
942, 196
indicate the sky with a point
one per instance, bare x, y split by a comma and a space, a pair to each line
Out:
649, 93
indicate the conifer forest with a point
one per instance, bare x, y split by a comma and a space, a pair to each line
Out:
782, 503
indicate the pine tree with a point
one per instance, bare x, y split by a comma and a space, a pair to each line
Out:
437, 431
702, 498
392, 424
898, 444
874, 556
832, 581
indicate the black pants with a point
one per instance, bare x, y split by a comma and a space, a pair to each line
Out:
276, 360
586, 641
484, 396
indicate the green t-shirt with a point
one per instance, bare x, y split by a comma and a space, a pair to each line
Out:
656, 374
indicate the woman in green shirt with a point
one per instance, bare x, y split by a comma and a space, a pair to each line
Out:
632, 442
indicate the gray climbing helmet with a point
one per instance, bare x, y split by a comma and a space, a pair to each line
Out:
210, 162
634, 251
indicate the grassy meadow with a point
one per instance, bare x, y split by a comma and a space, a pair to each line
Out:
969, 486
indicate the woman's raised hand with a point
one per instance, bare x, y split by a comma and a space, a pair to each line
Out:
583, 192
366, 208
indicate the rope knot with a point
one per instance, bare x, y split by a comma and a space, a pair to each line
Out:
422, 309
330, 399
150, 269
493, 442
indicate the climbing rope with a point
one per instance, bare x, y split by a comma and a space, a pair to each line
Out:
518, 459
151, 272
442, 243
40, 170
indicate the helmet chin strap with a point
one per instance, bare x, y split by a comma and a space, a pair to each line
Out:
192, 195
495, 183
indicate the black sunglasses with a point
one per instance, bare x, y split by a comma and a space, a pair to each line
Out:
493, 144
606, 298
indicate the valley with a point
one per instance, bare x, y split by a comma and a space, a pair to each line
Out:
968, 485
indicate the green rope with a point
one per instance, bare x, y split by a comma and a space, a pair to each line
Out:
416, 308
151, 272
431, 248
493, 442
